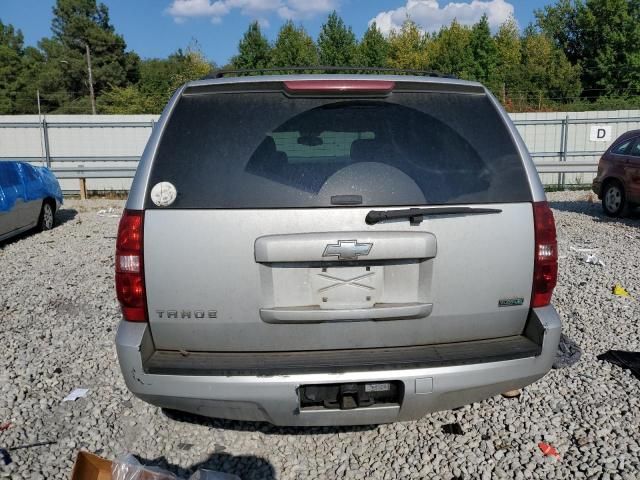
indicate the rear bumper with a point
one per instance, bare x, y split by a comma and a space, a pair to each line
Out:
274, 398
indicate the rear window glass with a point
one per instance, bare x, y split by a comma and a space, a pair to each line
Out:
622, 148
267, 150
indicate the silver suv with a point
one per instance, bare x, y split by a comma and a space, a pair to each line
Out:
334, 249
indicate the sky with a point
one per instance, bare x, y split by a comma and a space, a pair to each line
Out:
157, 28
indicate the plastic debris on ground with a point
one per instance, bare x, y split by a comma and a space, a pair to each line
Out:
127, 467
582, 250
5, 426
110, 212
593, 259
627, 360
75, 394
548, 450
568, 353
620, 291
5, 457
453, 429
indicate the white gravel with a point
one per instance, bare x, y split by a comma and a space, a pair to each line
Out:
58, 317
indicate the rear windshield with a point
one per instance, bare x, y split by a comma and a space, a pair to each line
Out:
268, 150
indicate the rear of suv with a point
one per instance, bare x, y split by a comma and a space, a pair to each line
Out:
334, 249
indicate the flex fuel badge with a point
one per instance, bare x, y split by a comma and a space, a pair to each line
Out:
510, 302
163, 194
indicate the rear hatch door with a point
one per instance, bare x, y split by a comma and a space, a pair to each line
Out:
267, 246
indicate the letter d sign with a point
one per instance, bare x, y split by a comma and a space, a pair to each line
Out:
600, 133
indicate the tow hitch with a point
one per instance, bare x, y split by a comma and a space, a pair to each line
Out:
347, 396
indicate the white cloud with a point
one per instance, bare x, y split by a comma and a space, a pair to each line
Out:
181, 10
430, 16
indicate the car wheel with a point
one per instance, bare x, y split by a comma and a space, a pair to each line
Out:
614, 201
46, 217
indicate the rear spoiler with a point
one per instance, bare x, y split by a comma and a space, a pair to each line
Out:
279, 83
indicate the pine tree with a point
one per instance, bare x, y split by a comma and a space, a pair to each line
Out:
373, 49
509, 56
62, 77
450, 52
11, 54
336, 43
407, 47
254, 51
293, 47
484, 54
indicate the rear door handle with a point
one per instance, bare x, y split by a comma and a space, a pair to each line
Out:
315, 314
333, 246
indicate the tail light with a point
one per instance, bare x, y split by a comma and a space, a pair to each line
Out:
545, 269
130, 267
333, 86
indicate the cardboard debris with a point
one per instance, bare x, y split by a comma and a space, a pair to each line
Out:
91, 467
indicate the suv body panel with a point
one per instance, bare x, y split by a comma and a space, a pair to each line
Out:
479, 261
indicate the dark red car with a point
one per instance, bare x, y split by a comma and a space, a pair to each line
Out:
618, 181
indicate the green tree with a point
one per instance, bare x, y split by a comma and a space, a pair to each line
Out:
609, 31
294, 47
25, 84
11, 55
547, 76
484, 54
509, 56
373, 49
603, 37
450, 51
159, 78
76, 25
337, 44
407, 47
253, 50
126, 100
560, 22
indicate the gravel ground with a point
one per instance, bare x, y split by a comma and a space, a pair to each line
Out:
59, 316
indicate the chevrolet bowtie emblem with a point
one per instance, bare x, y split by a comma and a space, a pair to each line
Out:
347, 249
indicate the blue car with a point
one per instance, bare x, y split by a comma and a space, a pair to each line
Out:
29, 197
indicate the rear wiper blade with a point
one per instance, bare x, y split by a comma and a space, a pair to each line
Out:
416, 215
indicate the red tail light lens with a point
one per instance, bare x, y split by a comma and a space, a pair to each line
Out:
130, 267
545, 270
